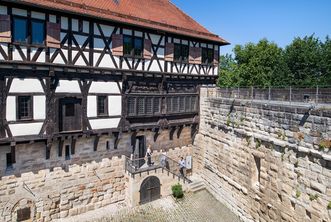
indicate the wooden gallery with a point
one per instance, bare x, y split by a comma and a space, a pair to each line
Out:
86, 81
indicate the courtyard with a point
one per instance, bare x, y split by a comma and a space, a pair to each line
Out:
200, 206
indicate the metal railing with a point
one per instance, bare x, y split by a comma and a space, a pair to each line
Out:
289, 94
140, 165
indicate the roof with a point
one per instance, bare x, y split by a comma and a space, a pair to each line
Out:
155, 14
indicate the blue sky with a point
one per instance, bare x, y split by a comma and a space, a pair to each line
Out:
243, 21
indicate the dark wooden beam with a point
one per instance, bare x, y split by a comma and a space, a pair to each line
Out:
179, 131
96, 142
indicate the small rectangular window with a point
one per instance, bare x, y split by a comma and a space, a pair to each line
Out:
133, 46
37, 32
128, 45
175, 105
156, 105
24, 107
70, 109
138, 46
207, 56
67, 152
188, 104
131, 106
102, 106
149, 107
9, 160
20, 32
169, 105
182, 103
141, 106
181, 53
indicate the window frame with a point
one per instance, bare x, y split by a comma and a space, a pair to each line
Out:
133, 46
105, 106
182, 48
28, 38
18, 108
205, 61
13, 28
44, 31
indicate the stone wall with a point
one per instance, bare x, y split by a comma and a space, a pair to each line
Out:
59, 187
257, 159
59, 193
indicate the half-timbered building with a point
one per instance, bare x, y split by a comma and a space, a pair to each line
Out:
84, 80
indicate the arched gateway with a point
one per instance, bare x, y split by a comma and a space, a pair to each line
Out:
150, 189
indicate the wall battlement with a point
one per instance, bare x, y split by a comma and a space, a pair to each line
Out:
267, 160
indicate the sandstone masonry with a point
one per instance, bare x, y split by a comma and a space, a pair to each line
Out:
256, 158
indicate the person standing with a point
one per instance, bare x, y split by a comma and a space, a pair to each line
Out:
149, 155
181, 166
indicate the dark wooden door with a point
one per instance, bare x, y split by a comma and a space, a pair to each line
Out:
142, 150
150, 190
70, 114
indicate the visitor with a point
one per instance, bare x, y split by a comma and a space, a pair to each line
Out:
149, 155
181, 166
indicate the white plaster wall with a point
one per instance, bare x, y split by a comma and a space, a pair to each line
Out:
58, 59
16, 54
39, 107
41, 57
11, 108
104, 123
105, 87
25, 129
26, 86
91, 106
66, 86
114, 105
80, 61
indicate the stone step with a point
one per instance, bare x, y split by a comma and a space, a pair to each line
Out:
196, 186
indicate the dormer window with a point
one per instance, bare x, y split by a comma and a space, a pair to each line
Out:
207, 56
133, 46
181, 53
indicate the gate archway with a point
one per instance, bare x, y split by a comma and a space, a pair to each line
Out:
150, 189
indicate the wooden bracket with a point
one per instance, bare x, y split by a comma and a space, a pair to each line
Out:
96, 142
171, 133
157, 132
117, 136
179, 131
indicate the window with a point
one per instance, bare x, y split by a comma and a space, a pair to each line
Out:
102, 106
207, 56
149, 107
131, 105
21, 27
24, 107
181, 53
133, 46
182, 104
156, 104
37, 32
20, 32
70, 109
140, 105
67, 152
9, 160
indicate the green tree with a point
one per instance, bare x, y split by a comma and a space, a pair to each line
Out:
261, 64
326, 62
304, 60
227, 74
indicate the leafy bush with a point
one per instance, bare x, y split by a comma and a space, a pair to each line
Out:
329, 205
177, 191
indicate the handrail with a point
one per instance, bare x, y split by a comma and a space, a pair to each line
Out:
158, 161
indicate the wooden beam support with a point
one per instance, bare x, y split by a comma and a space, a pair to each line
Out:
117, 136
171, 133
96, 142
73, 145
179, 131
157, 132
60, 147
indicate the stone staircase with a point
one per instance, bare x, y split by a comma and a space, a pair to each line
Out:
196, 185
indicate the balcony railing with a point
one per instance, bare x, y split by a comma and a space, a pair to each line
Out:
140, 165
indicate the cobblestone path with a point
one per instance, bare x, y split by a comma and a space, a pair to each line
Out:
197, 207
